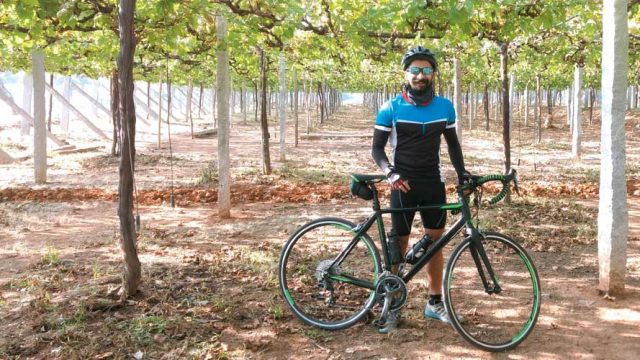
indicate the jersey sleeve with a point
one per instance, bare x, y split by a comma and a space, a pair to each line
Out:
451, 117
384, 119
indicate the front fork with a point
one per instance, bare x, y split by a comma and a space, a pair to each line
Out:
480, 258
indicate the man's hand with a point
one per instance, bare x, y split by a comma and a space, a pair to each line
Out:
398, 183
466, 179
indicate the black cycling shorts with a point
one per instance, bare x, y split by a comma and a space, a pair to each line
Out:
421, 193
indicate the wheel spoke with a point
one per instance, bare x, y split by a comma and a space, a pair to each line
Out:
319, 291
496, 321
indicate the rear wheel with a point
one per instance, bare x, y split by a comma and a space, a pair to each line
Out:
493, 321
317, 291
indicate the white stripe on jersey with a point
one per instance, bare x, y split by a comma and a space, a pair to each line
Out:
452, 125
419, 122
383, 128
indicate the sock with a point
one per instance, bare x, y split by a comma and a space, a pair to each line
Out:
434, 299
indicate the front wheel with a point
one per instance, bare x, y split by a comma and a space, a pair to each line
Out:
319, 291
492, 320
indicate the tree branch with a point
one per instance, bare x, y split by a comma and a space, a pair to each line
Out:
307, 26
327, 10
397, 35
252, 10
102, 7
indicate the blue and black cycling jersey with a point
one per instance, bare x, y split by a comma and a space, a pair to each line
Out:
414, 132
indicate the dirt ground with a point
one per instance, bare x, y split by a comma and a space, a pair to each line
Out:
210, 288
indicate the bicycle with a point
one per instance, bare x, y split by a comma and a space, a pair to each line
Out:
331, 274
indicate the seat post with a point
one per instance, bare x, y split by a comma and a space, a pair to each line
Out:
375, 201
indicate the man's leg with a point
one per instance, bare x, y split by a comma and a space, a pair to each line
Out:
403, 241
435, 307
433, 222
404, 244
435, 266
401, 222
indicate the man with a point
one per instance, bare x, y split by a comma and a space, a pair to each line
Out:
413, 124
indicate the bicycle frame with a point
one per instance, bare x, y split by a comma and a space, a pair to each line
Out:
477, 250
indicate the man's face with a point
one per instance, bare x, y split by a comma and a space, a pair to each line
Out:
419, 82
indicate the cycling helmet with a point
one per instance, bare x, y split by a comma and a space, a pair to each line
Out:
361, 190
419, 52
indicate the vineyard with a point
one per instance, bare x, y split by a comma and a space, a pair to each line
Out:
156, 155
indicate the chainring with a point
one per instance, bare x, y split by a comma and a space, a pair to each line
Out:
395, 286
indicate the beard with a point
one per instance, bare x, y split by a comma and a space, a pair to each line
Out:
420, 91
421, 87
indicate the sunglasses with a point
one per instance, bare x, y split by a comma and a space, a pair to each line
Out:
415, 70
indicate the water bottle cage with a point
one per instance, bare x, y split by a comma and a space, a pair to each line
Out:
395, 257
418, 250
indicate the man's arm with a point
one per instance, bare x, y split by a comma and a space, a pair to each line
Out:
455, 152
380, 138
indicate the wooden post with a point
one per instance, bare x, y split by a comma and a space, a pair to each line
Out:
526, 106
569, 107
538, 111
255, 100
223, 88
189, 108
39, 118
243, 104
307, 101
485, 98
506, 121
67, 92
577, 119
457, 96
282, 109
471, 97
295, 105
512, 92
613, 220
159, 142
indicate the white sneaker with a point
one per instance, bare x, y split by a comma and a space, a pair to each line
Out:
439, 312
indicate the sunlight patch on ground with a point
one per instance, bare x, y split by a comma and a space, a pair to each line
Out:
624, 315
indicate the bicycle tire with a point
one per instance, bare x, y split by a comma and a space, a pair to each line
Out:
315, 245
493, 322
